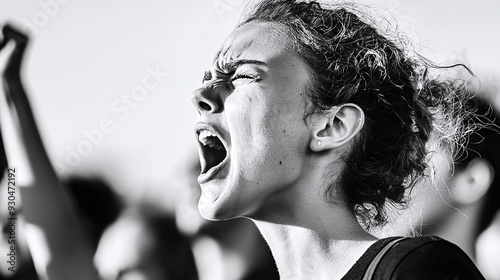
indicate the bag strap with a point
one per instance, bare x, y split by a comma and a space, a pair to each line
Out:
373, 265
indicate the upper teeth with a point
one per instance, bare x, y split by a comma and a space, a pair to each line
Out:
204, 134
205, 138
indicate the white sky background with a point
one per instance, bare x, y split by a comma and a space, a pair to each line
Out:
85, 55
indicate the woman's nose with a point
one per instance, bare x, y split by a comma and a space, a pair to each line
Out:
207, 100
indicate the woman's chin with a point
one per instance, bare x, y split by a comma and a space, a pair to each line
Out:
214, 210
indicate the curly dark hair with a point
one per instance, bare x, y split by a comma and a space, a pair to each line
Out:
352, 62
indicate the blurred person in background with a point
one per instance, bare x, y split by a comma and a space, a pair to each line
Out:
144, 244
463, 204
56, 230
97, 204
22, 268
56, 238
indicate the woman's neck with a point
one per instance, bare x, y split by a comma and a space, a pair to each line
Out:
318, 244
309, 237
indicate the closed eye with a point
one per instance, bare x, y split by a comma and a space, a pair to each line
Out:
243, 76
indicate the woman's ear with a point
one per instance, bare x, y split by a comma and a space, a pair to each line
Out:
336, 128
473, 182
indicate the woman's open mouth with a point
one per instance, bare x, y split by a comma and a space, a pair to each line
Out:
213, 150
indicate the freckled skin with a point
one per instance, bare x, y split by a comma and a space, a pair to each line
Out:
264, 122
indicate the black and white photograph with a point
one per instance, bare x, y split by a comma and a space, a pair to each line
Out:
249, 140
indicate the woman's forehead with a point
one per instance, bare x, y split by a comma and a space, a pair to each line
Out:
254, 40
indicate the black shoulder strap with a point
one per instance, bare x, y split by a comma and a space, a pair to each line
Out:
373, 265
422, 252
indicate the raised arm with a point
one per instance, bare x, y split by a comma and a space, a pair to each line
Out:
45, 202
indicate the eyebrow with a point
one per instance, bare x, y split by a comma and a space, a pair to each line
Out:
233, 65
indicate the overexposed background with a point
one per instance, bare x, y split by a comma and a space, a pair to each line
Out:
89, 62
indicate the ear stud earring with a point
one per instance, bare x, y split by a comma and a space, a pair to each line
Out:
319, 143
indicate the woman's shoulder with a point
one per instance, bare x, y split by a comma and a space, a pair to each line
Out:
426, 257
